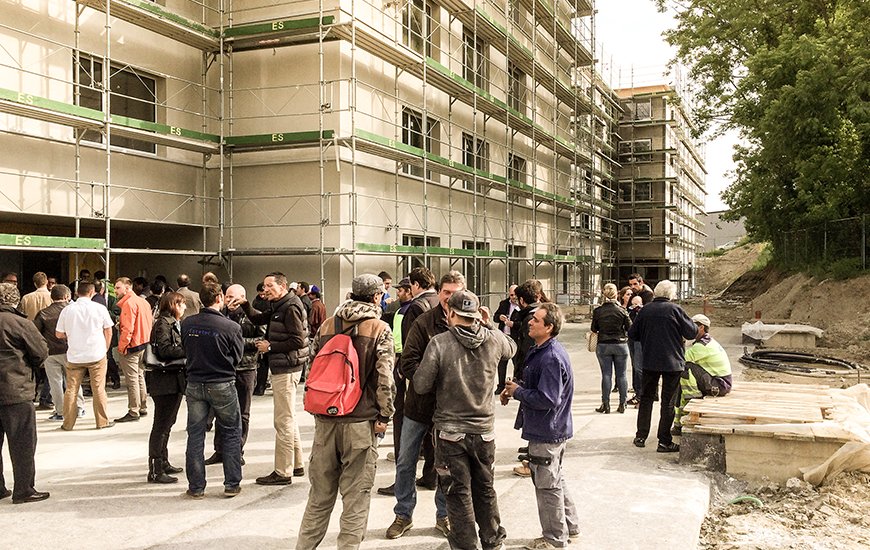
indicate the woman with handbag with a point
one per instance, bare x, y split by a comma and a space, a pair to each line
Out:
166, 382
610, 323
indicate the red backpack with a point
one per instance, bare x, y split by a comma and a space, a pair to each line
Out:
333, 387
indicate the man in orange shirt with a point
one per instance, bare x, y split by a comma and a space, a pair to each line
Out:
134, 327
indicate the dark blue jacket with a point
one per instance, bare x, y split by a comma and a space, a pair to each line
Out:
213, 346
660, 328
546, 394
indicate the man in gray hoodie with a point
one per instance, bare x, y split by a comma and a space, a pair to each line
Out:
461, 366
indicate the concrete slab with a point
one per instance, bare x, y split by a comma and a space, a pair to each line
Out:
627, 497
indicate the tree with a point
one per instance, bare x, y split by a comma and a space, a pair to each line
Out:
793, 76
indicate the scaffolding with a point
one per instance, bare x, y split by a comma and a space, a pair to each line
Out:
662, 188
463, 134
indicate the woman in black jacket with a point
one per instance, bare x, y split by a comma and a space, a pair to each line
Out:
610, 321
166, 383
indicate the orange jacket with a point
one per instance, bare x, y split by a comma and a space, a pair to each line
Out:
134, 326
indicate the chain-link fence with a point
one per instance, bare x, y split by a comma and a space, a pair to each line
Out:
840, 242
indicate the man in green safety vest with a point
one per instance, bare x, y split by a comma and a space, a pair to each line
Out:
707, 371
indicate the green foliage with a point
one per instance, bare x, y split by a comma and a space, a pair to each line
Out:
715, 253
765, 255
794, 77
842, 269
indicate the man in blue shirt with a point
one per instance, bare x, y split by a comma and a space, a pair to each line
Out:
545, 398
213, 346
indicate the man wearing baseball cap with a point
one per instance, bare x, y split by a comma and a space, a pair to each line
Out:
707, 371
460, 366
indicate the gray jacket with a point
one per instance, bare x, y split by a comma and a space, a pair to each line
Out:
460, 366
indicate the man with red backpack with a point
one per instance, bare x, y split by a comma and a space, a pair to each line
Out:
343, 459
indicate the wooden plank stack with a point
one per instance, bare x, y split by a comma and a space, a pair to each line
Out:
758, 404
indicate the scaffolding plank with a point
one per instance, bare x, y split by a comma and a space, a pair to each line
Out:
277, 33
49, 110
46, 241
162, 134
276, 140
429, 250
156, 18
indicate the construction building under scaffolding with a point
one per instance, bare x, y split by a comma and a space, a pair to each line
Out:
320, 138
661, 186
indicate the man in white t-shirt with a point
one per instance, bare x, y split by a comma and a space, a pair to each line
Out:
87, 327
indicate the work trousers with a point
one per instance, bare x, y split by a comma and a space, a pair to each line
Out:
18, 426
165, 414
245, 382
75, 373
55, 371
696, 383
288, 442
465, 474
343, 460
134, 378
556, 508
670, 385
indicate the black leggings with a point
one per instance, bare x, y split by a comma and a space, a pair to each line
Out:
165, 413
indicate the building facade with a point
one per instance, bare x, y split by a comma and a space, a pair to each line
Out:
320, 138
661, 188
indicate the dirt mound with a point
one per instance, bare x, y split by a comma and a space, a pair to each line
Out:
719, 272
795, 516
752, 284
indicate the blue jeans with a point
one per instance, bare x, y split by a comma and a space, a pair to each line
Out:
221, 398
413, 433
612, 357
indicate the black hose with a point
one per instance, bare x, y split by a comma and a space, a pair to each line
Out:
783, 361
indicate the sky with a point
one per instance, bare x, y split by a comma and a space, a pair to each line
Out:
630, 48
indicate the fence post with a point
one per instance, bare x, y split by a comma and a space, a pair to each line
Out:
863, 241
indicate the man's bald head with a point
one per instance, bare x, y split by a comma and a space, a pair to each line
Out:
235, 292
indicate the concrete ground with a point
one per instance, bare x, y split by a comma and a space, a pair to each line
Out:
627, 497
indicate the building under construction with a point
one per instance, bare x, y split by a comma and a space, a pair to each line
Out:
661, 187
320, 138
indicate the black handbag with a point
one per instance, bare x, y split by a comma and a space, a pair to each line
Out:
152, 362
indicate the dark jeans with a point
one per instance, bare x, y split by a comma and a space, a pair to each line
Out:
465, 474
636, 367
262, 377
399, 415
502, 374
670, 385
221, 397
165, 414
245, 382
18, 425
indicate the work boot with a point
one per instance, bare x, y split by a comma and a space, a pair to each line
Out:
399, 527
668, 448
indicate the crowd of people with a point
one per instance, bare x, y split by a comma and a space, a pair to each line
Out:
426, 361
645, 325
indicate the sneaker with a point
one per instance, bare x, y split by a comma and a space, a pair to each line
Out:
523, 470
230, 492
669, 448
129, 417
633, 401
399, 527
298, 472
639, 442
81, 413
540, 543
676, 430
215, 458
274, 479
443, 525
56, 417
197, 495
